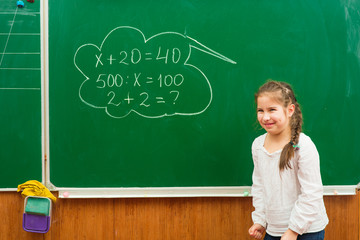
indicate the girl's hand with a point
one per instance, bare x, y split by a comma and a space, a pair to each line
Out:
256, 231
289, 235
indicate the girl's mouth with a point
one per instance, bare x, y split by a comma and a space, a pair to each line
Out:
268, 125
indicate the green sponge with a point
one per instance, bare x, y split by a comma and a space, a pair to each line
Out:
37, 205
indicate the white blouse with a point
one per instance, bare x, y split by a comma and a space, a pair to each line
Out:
292, 198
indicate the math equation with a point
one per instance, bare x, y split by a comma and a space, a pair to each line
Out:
129, 73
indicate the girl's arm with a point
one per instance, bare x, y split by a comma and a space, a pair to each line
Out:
258, 215
307, 206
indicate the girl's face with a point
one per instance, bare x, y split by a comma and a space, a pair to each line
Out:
273, 116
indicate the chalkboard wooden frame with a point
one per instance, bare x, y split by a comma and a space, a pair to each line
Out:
181, 192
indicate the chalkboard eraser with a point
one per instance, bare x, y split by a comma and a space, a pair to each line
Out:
20, 4
37, 205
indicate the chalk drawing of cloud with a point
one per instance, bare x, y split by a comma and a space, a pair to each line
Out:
147, 76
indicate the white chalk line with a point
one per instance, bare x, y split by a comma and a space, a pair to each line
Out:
8, 37
36, 89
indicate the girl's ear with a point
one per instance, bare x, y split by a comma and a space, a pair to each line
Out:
291, 109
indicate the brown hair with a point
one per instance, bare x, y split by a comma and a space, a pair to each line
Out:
284, 94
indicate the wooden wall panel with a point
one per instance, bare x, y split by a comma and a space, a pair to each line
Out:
343, 213
11, 210
82, 219
184, 218
161, 219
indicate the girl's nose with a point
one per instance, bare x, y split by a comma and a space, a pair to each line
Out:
266, 117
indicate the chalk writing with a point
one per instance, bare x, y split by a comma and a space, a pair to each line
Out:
129, 73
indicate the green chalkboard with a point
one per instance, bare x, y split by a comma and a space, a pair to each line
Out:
20, 94
160, 93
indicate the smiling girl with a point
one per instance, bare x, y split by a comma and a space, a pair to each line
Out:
287, 188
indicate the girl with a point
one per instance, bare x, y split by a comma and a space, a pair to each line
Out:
287, 189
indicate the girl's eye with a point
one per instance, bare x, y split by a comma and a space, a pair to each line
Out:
273, 109
259, 110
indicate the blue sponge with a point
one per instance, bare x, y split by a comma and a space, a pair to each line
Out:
20, 4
